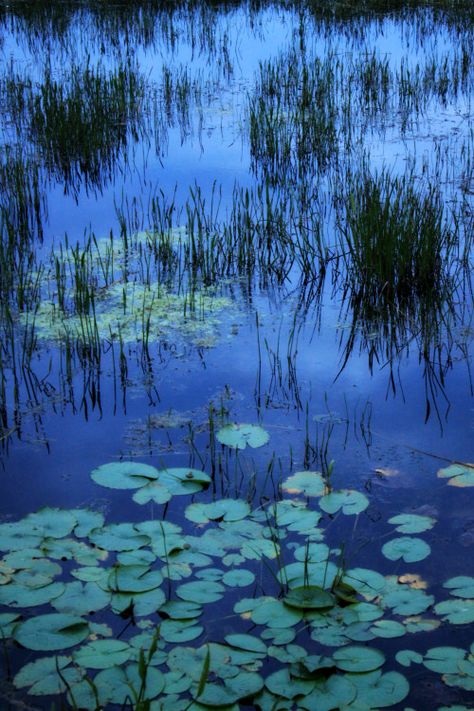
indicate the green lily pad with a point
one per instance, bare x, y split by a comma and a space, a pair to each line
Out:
18, 536
200, 592
153, 491
247, 642
87, 520
118, 685
377, 690
124, 475
309, 597
406, 657
181, 610
306, 482
458, 475
16, 595
458, 612
275, 613
103, 654
460, 586
134, 579
238, 578
368, 583
407, 601
349, 501
239, 436
356, 658
444, 660
179, 631
53, 523
412, 523
8, 621
119, 537
46, 633
43, 677
281, 683
333, 693
406, 548
79, 599
224, 510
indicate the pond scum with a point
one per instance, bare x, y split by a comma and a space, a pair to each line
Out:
238, 581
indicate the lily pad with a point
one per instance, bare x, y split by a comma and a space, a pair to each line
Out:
308, 483
223, 510
458, 612
443, 660
406, 548
458, 475
48, 676
200, 591
460, 586
377, 690
412, 523
356, 658
349, 501
309, 597
333, 693
124, 475
50, 632
80, 599
103, 654
239, 436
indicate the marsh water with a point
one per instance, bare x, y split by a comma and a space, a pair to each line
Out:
236, 343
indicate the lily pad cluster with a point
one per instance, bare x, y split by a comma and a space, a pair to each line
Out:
304, 632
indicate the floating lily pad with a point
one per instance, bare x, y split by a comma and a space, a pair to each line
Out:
444, 659
281, 683
238, 578
81, 599
458, 612
349, 501
309, 597
53, 523
48, 676
406, 548
200, 592
119, 537
239, 436
134, 579
406, 657
103, 654
460, 586
247, 642
47, 633
225, 510
154, 491
307, 482
333, 693
119, 685
8, 621
16, 595
87, 520
124, 475
458, 475
355, 658
412, 523
377, 690
275, 613
179, 631
407, 601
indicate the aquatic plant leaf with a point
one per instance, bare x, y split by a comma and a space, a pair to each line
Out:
460, 586
143, 604
349, 501
92, 574
238, 436
69, 548
141, 556
36, 572
368, 583
266, 701
444, 659
102, 654
407, 601
214, 574
295, 516
81, 599
178, 631
200, 592
291, 654
18, 536
464, 682
419, 624
53, 523
379, 690
16, 595
87, 520
308, 483
282, 635
124, 475
387, 629
181, 610
412, 523
118, 685
281, 683
406, 548
329, 694
8, 621
356, 658
47, 633
299, 574
43, 678
458, 475
275, 613
176, 683
224, 510
458, 612
134, 579
238, 578
309, 597
406, 657
313, 553
182, 481
154, 491
247, 642
119, 537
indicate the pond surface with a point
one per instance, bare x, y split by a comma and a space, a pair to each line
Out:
236, 409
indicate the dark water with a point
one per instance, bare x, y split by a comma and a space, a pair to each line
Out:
176, 109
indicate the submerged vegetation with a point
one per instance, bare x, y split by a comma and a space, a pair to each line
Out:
228, 233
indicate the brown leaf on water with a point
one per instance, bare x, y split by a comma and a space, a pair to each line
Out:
387, 471
413, 580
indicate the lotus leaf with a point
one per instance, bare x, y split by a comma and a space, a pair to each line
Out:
460, 586
146, 603
141, 556
308, 483
124, 475
103, 654
81, 599
409, 549
238, 436
295, 516
92, 574
412, 523
176, 683
355, 658
458, 474
349, 501
47, 633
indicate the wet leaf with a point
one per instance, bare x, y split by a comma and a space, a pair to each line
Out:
348, 501
238, 436
124, 475
102, 654
412, 523
458, 475
50, 632
308, 483
406, 548
355, 658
